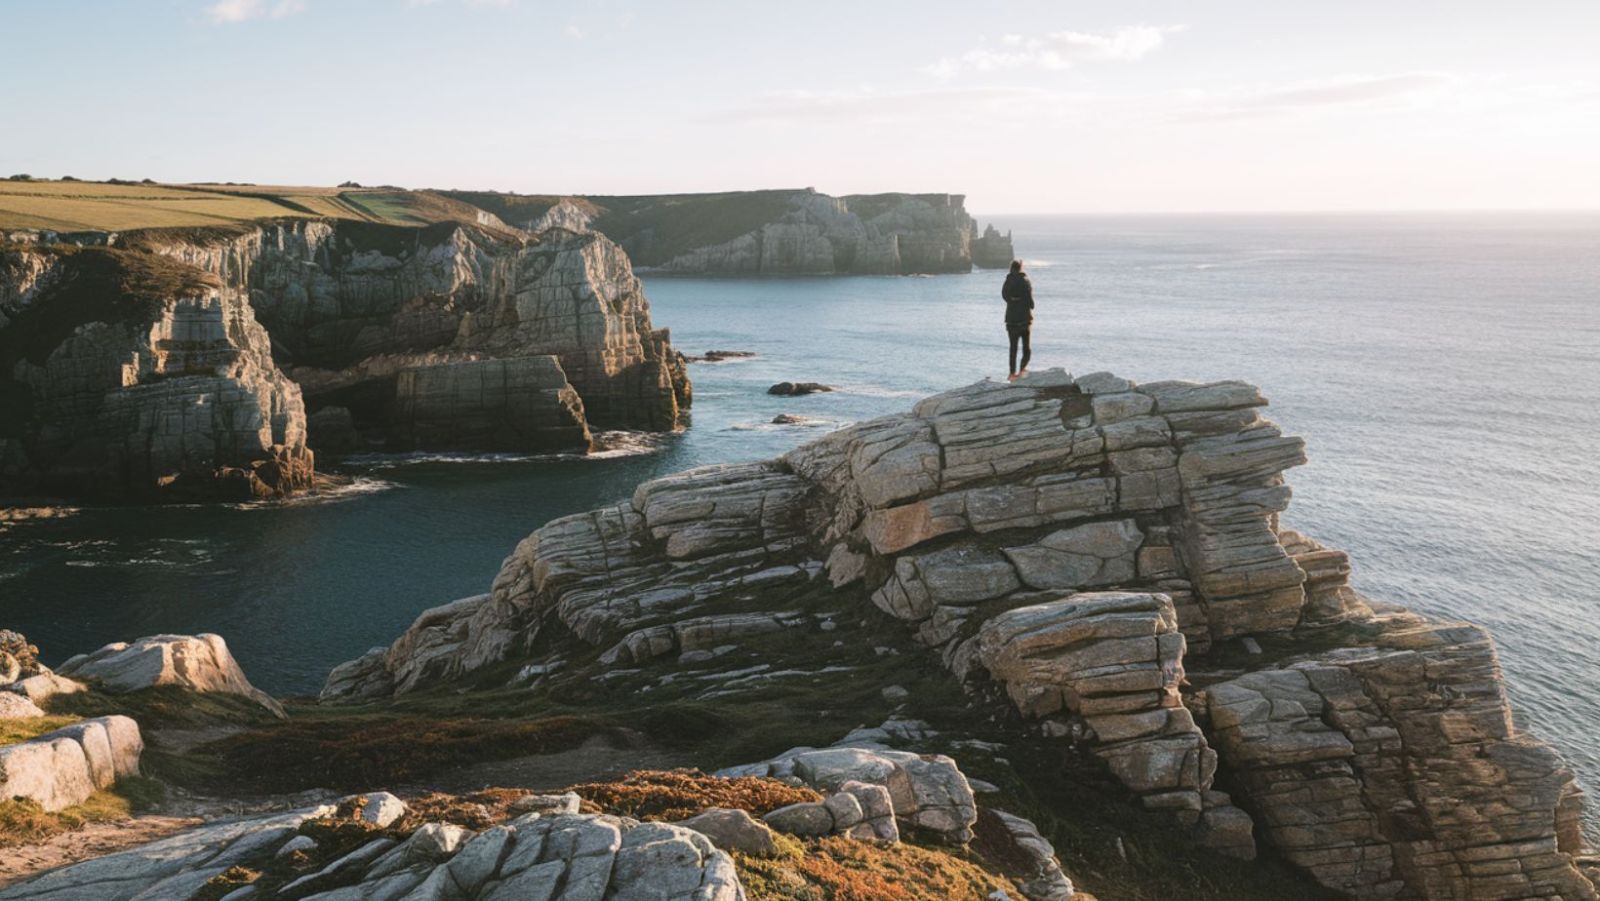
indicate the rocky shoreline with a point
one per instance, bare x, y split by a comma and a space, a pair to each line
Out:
1080, 579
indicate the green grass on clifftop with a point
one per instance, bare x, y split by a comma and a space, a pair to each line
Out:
81, 206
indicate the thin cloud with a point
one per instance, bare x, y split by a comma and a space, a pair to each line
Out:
499, 3
1344, 91
229, 11
877, 104
1056, 50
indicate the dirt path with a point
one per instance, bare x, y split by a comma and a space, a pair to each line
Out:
93, 840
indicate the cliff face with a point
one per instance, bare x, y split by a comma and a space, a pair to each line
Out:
351, 304
126, 377
774, 232
154, 364
1101, 563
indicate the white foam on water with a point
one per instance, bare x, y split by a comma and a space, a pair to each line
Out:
607, 445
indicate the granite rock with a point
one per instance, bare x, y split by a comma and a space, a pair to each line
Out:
197, 662
62, 768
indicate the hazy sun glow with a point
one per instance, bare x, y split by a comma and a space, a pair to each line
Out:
1025, 107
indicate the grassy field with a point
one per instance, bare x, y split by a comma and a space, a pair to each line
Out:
97, 206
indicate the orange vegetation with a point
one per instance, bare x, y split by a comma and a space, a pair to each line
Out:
678, 794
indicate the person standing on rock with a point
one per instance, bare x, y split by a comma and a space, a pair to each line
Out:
1018, 295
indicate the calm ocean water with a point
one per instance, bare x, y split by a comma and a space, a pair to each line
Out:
1444, 370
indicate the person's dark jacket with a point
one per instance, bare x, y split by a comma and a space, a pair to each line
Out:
1018, 294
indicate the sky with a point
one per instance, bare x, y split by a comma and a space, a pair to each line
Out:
1025, 107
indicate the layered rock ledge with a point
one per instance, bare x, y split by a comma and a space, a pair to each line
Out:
1104, 563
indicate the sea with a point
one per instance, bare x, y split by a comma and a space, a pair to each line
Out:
1444, 370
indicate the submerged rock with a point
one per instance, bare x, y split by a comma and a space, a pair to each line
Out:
796, 389
720, 356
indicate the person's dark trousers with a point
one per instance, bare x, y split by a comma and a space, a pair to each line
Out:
1019, 333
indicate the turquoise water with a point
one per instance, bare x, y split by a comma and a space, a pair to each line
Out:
1442, 368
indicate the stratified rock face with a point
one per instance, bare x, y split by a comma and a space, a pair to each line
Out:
63, 768
196, 662
783, 232
127, 377
511, 404
351, 305
1115, 659
1392, 768
1072, 549
882, 234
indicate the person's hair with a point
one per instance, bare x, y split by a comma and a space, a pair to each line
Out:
1016, 265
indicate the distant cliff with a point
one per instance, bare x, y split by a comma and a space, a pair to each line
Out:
778, 232
190, 358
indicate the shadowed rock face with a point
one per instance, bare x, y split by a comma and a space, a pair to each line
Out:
1085, 553
184, 362
350, 305
124, 377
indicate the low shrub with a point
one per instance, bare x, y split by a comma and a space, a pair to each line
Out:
842, 869
24, 822
679, 794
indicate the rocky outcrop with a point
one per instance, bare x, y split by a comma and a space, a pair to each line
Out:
1083, 553
63, 768
1113, 661
18, 658
351, 305
197, 662
123, 376
150, 367
991, 250
882, 788
1391, 768
521, 403
531, 856
780, 232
